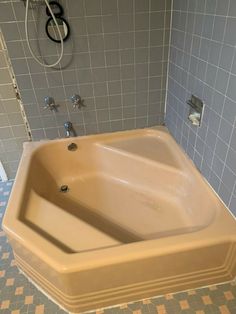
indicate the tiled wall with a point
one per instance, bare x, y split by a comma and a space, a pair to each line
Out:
203, 62
12, 129
116, 59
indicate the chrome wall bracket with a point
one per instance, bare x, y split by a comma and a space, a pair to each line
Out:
196, 110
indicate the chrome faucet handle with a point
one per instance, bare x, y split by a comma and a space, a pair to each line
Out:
50, 104
77, 101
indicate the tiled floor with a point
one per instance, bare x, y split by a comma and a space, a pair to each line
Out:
18, 295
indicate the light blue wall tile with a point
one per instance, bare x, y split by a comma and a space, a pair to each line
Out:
107, 56
211, 75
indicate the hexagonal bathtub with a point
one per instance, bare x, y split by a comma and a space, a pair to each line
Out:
115, 218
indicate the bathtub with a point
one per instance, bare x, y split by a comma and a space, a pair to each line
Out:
101, 220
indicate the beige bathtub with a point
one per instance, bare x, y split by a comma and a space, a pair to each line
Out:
124, 216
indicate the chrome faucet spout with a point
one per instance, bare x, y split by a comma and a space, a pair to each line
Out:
69, 129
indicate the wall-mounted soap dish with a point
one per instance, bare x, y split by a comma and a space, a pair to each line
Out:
196, 110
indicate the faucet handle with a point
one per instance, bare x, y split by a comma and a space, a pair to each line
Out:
50, 104
77, 101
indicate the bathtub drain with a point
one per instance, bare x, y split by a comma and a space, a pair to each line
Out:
64, 188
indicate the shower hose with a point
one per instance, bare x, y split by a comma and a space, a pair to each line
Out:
28, 40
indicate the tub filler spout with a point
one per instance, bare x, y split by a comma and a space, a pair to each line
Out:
69, 129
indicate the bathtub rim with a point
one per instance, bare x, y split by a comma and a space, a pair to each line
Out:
64, 262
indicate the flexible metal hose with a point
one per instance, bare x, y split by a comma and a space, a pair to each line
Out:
28, 40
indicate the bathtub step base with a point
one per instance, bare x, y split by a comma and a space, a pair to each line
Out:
145, 289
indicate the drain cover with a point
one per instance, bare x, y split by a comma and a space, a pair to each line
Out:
72, 147
64, 188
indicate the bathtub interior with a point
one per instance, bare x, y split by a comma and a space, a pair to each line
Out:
120, 191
